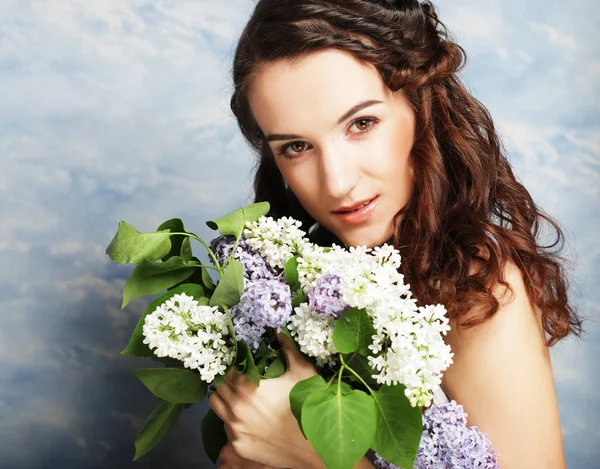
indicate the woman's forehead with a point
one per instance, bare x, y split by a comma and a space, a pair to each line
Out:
319, 87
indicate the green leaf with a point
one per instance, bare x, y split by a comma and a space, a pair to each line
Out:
168, 361
290, 271
399, 426
264, 351
360, 364
231, 329
176, 385
129, 246
180, 244
303, 389
153, 277
245, 363
299, 298
230, 287
275, 369
354, 332
161, 420
213, 435
261, 365
207, 280
136, 345
233, 223
341, 426
199, 277
263, 357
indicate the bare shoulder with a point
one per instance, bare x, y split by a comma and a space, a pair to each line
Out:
502, 375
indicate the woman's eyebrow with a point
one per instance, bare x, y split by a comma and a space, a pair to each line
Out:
353, 110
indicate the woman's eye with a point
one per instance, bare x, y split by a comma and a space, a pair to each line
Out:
367, 123
371, 123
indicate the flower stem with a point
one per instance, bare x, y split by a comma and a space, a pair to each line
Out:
344, 365
212, 255
237, 241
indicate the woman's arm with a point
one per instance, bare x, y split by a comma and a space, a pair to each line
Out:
502, 376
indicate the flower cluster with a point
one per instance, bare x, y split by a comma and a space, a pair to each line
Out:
264, 303
407, 346
195, 334
254, 264
276, 240
447, 442
313, 332
326, 297
410, 347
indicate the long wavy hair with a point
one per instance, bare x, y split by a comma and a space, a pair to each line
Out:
468, 214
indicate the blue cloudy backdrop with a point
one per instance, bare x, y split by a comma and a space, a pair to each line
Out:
118, 109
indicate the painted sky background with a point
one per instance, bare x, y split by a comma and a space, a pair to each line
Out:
119, 110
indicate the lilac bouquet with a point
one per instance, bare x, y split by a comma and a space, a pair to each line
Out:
379, 355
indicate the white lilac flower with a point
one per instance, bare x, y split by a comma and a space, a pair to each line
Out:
276, 240
195, 334
326, 297
366, 279
313, 333
264, 303
447, 442
312, 262
255, 266
408, 348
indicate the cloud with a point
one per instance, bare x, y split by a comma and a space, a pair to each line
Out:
119, 110
555, 36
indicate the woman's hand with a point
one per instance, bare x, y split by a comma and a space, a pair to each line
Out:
258, 420
231, 460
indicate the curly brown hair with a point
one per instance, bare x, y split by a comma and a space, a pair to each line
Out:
468, 215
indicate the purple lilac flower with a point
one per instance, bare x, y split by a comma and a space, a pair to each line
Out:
326, 297
264, 303
447, 442
381, 463
255, 266
245, 329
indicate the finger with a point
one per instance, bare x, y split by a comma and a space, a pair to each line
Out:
228, 431
229, 459
227, 392
239, 383
290, 351
234, 378
293, 356
220, 407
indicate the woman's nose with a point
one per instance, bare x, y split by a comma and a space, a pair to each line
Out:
340, 173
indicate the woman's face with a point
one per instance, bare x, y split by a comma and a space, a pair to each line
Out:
333, 159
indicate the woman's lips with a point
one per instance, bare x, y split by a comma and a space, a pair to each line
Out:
359, 215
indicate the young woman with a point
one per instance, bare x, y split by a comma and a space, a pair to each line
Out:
366, 134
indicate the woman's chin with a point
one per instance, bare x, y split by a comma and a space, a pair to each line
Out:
370, 237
